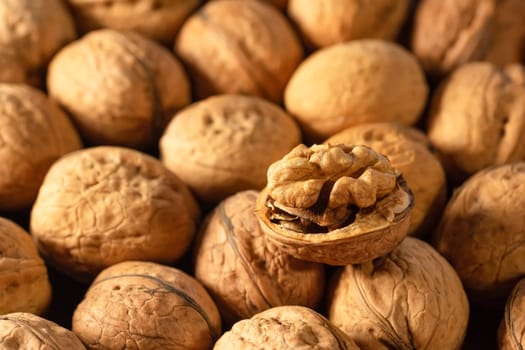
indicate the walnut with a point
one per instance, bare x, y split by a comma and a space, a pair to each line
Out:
119, 87
104, 205
408, 150
410, 299
34, 132
224, 144
245, 47
335, 204
143, 305
477, 118
20, 330
327, 22
24, 285
361, 81
512, 327
285, 327
449, 33
482, 232
246, 274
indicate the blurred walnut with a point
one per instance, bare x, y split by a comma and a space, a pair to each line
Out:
408, 150
327, 22
245, 47
410, 299
34, 132
449, 33
245, 273
224, 144
100, 206
285, 327
361, 81
511, 333
335, 204
23, 331
477, 118
23, 276
482, 232
143, 305
119, 87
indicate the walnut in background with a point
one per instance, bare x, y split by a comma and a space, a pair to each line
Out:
512, 327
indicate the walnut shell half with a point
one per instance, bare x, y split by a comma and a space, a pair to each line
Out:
335, 204
511, 332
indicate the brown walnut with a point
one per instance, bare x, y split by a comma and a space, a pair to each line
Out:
511, 332
335, 204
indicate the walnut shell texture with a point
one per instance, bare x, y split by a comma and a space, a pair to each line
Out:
142, 305
511, 332
104, 205
410, 299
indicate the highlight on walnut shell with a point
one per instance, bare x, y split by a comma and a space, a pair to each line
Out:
512, 326
335, 204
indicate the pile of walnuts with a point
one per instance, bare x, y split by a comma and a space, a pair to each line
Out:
262, 174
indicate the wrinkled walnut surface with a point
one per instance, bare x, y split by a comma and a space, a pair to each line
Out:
246, 274
410, 299
511, 332
285, 327
119, 87
24, 285
103, 205
224, 144
34, 132
142, 305
361, 81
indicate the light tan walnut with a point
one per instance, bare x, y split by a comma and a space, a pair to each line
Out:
103, 205
361, 81
24, 285
335, 204
239, 47
409, 299
119, 87
511, 332
243, 271
34, 133
225, 143
285, 327
142, 305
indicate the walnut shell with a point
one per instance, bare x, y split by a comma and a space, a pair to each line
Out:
119, 87
246, 274
512, 327
410, 299
482, 232
224, 144
408, 150
34, 132
285, 327
361, 81
20, 330
103, 205
24, 285
477, 118
335, 204
143, 305
327, 22
239, 47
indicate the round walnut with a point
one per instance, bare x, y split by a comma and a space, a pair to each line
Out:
335, 204
482, 232
352, 83
119, 87
224, 144
24, 285
34, 132
285, 327
246, 274
327, 22
511, 333
104, 205
20, 330
143, 305
410, 299
477, 118
408, 150
449, 33
245, 47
